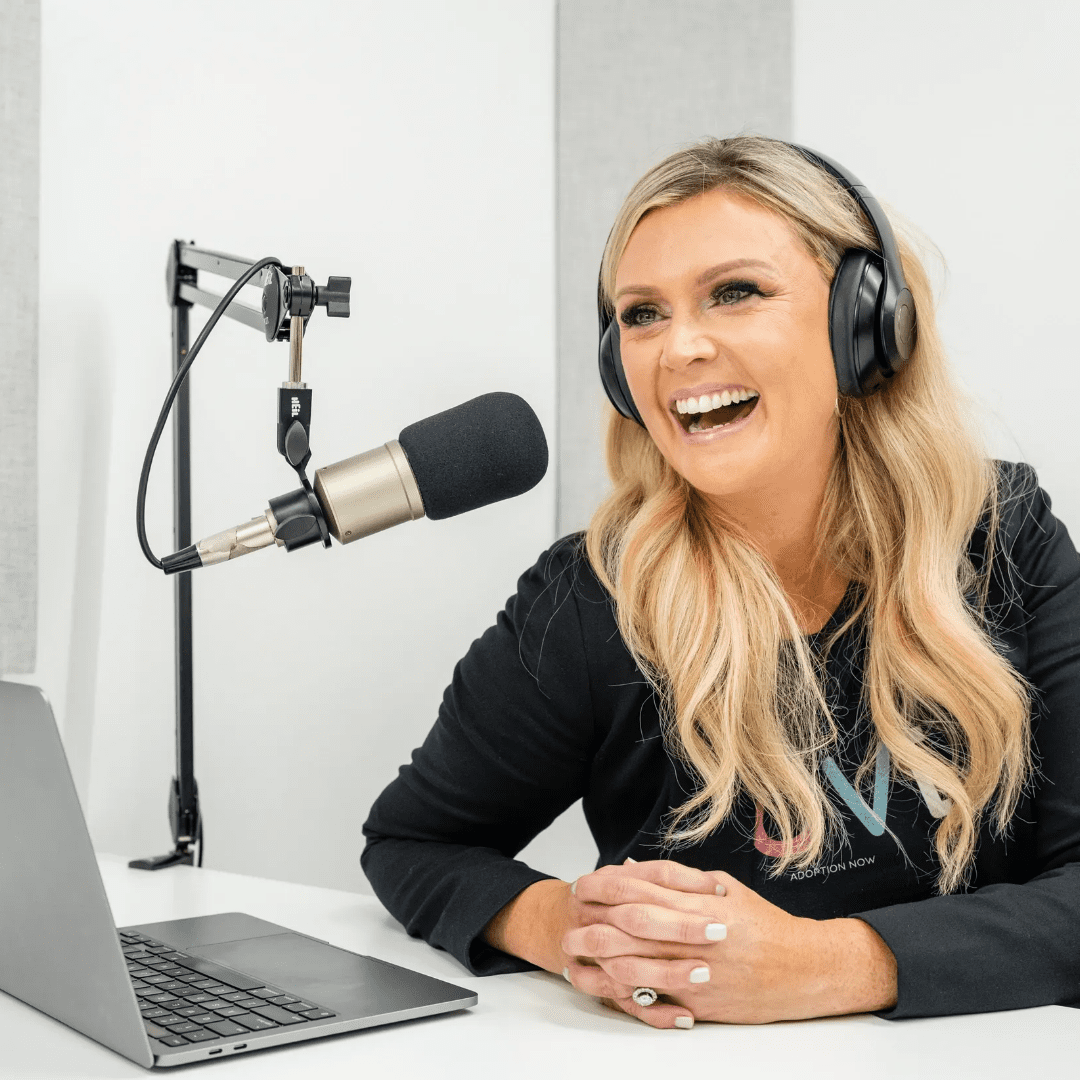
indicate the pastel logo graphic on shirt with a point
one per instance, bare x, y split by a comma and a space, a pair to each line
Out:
872, 817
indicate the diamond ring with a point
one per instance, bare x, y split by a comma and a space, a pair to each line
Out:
645, 995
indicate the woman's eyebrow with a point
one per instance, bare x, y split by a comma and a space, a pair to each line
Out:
705, 276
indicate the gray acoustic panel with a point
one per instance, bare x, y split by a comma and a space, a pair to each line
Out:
637, 79
20, 101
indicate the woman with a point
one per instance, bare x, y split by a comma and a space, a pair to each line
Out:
814, 668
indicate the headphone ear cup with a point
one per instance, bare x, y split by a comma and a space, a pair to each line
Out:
612, 375
853, 304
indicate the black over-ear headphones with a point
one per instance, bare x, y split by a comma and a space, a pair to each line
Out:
871, 312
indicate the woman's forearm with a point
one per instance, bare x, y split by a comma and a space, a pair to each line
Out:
855, 969
532, 925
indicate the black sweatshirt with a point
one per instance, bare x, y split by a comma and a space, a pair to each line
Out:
549, 707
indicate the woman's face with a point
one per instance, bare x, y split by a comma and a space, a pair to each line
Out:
723, 319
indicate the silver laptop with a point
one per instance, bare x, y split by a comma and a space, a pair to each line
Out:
163, 993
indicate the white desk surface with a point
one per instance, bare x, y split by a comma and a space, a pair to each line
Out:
531, 1025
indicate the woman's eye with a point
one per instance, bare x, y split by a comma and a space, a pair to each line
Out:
734, 291
638, 315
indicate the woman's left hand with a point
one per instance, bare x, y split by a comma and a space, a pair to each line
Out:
733, 957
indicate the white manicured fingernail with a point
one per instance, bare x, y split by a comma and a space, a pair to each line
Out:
699, 975
566, 974
684, 1022
721, 891
716, 931
573, 888
628, 859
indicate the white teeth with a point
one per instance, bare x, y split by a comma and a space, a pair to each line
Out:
694, 427
714, 401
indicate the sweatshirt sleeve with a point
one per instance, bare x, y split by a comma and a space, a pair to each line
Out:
1015, 945
509, 752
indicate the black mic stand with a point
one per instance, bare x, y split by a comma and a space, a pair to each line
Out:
287, 303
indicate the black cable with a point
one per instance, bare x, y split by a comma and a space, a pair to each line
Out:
170, 397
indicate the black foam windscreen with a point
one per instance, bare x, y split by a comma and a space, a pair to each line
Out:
484, 450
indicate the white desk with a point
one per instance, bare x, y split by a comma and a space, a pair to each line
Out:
530, 1025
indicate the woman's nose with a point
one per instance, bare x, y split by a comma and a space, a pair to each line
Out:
687, 341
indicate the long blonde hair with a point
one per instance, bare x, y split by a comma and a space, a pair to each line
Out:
709, 623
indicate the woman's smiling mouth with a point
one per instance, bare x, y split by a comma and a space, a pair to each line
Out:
714, 410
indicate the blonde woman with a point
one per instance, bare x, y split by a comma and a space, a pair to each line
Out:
814, 668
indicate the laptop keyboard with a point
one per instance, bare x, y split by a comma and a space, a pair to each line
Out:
186, 999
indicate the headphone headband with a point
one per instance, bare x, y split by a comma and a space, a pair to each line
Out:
894, 274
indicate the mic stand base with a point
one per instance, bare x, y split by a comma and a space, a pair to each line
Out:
182, 856
187, 831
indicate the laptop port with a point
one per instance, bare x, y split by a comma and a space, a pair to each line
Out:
240, 1046
217, 1051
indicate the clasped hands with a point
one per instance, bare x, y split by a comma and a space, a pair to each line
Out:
714, 950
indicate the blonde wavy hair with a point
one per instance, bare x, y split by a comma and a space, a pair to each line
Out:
705, 615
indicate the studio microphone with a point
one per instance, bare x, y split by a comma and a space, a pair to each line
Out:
485, 450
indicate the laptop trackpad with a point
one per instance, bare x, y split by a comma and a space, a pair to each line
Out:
334, 978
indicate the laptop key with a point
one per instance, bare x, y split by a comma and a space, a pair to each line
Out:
163, 999
301, 1006
278, 1014
248, 1002
154, 1031
175, 956
173, 1040
147, 992
204, 1018
283, 999
155, 1012
227, 1027
191, 980
318, 1014
181, 1027
196, 997
236, 995
199, 1036
255, 1023
266, 992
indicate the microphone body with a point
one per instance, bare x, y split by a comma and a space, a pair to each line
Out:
483, 451
368, 493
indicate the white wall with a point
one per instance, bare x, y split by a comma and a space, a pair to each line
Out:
963, 116
408, 145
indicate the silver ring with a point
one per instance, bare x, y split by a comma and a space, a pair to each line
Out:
645, 996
